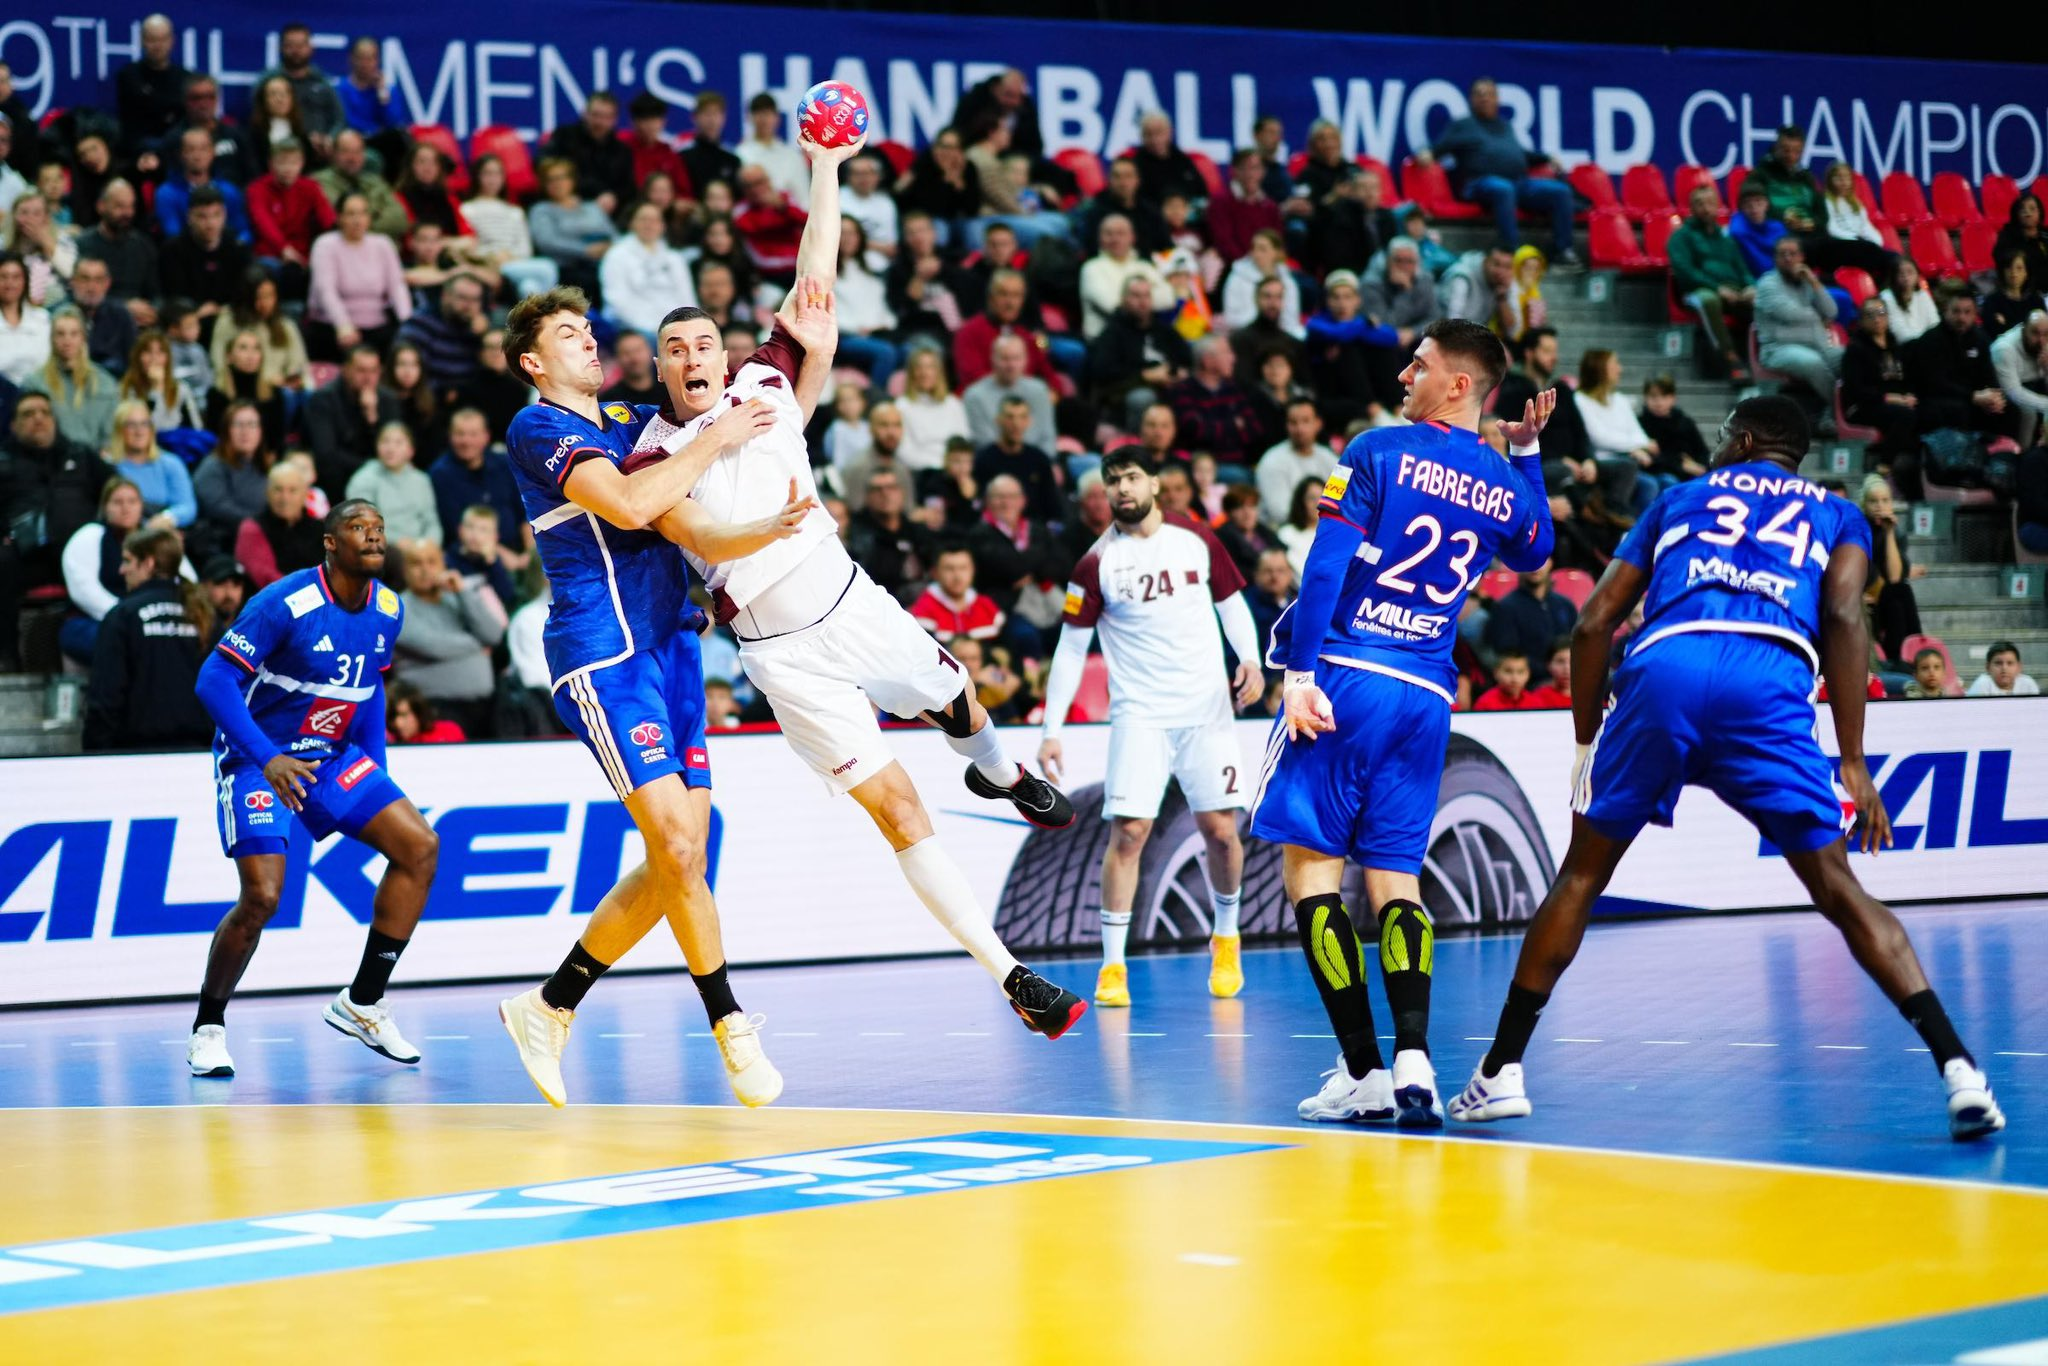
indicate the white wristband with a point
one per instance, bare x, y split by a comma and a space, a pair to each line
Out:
1298, 678
1533, 448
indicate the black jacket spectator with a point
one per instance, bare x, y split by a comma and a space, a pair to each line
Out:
240, 386
131, 259
1678, 438
145, 667
1344, 235
1172, 173
1564, 435
55, 486
205, 275
1945, 367
498, 394
151, 101
894, 557
1219, 420
109, 335
984, 105
1869, 372
603, 166
1522, 621
916, 314
709, 161
27, 154
1258, 339
1126, 347
1146, 223
930, 192
1000, 565
340, 435
1030, 467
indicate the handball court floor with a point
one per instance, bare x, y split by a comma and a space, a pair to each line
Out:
1737, 1154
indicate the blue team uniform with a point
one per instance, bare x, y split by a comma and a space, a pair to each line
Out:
1717, 688
311, 674
628, 678
1410, 521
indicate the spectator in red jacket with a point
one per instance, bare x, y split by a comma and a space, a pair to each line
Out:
286, 212
1002, 317
652, 150
1511, 690
1244, 208
1212, 412
951, 607
769, 224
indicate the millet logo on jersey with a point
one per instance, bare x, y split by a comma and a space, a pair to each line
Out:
1776, 587
1391, 618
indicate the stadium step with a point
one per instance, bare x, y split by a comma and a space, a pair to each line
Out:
40, 715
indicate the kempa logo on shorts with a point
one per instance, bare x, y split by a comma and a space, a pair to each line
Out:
844, 767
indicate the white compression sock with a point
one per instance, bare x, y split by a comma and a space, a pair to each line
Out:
943, 889
1116, 928
1224, 907
985, 749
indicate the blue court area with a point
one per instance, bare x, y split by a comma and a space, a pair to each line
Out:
1749, 1038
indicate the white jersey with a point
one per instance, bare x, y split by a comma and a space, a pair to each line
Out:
752, 481
1154, 600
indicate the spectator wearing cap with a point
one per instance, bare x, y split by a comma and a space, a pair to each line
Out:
227, 588
195, 171
319, 102
788, 171
1137, 357
281, 539
1244, 208
149, 92
705, 157
1490, 167
1120, 195
1104, 274
1009, 377
1214, 414
603, 160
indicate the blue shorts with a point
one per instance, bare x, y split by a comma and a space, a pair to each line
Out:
1716, 709
347, 793
1368, 791
643, 717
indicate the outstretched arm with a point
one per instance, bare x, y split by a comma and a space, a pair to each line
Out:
1527, 458
692, 528
817, 255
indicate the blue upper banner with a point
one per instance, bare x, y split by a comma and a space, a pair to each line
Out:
245, 1251
517, 63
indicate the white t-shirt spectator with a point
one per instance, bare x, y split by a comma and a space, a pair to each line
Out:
1611, 426
876, 214
786, 167
862, 300
1280, 471
1102, 289
1241, 297
1849, 221
1986, 686
499, 227
642, 283
24, 346
1909, 321
927, 425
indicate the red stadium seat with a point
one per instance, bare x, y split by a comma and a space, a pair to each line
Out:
1857, 281
1905, 204
1657, 235
897, 155
443, 141
1496, 584
1688, 178
1390, 190
1869, 198
2039, 189
1758, 369
1954, 205
1211, 176
1848, 430
1573, 585
1889, 235
1085, 167
1431, 188
505, 144
1644, 194
1934, 253
1091, 699
56, 112
1593, 183
1999, 192
1613, 245
1734, 193
1978, 240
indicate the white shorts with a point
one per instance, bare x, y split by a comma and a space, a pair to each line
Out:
825, 682
1205, 760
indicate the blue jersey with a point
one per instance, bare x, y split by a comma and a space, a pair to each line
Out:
309, 664
1433, 504
1741, 549
616, 592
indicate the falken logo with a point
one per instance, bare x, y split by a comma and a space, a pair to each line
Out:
1776, 587
562, 449
646, 733
259, 801
1393, 617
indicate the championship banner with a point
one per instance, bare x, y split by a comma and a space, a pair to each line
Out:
529, 66
112, 880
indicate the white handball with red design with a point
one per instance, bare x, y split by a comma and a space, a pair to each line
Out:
833, 114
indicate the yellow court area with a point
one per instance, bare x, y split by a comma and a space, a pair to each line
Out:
1336, 1245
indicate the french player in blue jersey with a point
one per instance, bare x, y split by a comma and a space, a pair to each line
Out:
621, 643
1751, 580
1409, 521
296, 687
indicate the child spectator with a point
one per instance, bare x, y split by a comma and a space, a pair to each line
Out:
721, 710
1511, 690
847, 440
401, 490
413, 720
1560, 667
1524, 307
2002, 676
479, 554
1930, 675
1681, 450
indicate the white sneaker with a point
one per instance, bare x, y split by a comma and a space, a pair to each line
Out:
754, 1079
1415, 1091
207, 1053
1488, 1098
372, 1025
540, 1032
1344, 1097
1972, 1113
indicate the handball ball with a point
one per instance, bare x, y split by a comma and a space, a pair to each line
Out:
832, 114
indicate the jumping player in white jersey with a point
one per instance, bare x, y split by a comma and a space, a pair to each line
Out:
1156, 585
818, 637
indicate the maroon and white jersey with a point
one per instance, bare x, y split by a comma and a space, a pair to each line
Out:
751, 481
1154, 600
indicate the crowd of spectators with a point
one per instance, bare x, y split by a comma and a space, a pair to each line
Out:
211, 328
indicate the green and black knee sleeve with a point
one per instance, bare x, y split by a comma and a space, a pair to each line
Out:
1337, 962
1407, 952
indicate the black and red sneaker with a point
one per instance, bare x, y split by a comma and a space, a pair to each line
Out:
1045, 1008
1036, 800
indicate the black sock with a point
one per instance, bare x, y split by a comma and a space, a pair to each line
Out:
1338, 966
1923, 1011
373, 974
573, 980
1517, 1023
717, 993
212, 1010
1407, 950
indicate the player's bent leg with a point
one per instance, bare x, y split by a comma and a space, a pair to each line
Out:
1128, 836
1407, 954
234, 943
1226, 875
1497, 1089
891, 800
991, 774
411, 851
1882, 949
1360, 1088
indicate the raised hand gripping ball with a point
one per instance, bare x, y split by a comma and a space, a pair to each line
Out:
832, 114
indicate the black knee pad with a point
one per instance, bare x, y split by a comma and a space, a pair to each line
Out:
957, 720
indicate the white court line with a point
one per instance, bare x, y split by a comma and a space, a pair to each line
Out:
796, 1033
1578, 1041
881, 1034
1311, 1036
1668, 1043
92, 1043
1842, 1047
1134, 1034
1479, 1038
1226, 1036
2012, 1054
1208, 1259
23, 1045
1752, 1045
273, 1041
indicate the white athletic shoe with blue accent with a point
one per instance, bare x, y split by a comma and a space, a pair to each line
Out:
1485, 1098
1345, 1098
207, 1053
1972, 1113
1415, 1091
371, 1025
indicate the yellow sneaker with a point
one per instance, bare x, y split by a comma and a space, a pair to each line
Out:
1226, 973
1113, 985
